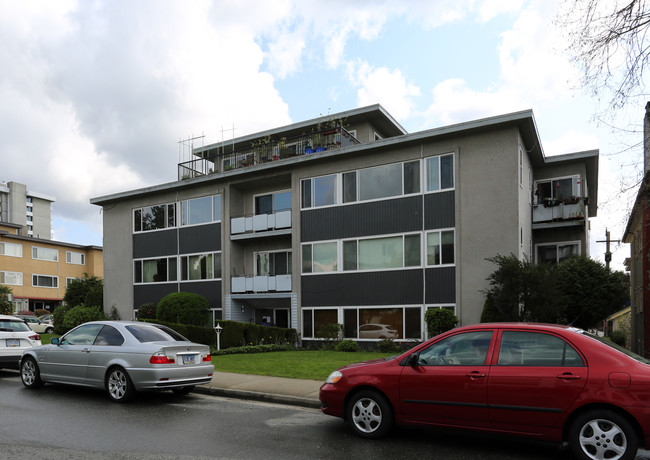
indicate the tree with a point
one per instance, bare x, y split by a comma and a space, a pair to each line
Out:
88, 290
611, 44
5, 304
578, 291
592, 291
439, 320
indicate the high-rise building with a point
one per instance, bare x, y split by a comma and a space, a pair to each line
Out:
31, 210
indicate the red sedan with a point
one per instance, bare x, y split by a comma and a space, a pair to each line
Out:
541, 381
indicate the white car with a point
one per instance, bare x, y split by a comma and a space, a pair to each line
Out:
377, 331
15, 337
36, 324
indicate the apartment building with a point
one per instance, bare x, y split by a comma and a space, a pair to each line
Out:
38, 270
32, 211
349, 219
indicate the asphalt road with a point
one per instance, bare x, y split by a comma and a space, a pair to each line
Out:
72, 423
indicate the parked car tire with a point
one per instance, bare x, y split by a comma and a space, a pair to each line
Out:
30, 373
49, 330
183, 390
119, 385
603, 434
370, 415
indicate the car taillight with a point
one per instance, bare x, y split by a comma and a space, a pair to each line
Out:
207, 358
35, 337
161, 358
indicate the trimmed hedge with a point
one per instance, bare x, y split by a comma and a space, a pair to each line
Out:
234, 334
253, 349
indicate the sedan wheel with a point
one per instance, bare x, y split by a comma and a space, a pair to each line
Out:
30, 374
369, 414
119, 386
603, 435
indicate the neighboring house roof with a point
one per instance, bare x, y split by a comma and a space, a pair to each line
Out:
644, 188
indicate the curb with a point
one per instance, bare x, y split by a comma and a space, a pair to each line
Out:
257, 396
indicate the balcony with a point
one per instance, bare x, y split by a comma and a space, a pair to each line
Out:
552, 211
266, 150
280, 220
260, 284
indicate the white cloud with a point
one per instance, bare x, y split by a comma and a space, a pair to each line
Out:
571, 141
384, 86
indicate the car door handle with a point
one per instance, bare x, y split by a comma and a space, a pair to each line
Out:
86, 350
569, 377
475, 375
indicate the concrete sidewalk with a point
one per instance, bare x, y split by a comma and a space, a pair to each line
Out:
295, 392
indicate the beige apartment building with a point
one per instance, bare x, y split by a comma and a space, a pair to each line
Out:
38, 270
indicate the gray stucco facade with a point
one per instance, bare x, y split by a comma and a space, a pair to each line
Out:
377, 231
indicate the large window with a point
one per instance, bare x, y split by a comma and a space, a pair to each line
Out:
45, 281
555, 253
319, 257
314, 320
382, 253
557, 190
440, 247
11, 249
156, 217
319, 191
201, 210
201, 266
155, 270
77, 258
271, 203
273, 263
536, 349
440, 172
45, 254
11, 278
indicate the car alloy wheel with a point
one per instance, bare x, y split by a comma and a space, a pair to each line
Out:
119, 385
370, 415
603, 434
30, 374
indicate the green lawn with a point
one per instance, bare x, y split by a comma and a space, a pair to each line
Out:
314, 365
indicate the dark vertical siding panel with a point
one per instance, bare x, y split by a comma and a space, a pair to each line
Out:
441, 285
355, 289
202, 238
154, 244
439, 210
211, 290
363, 219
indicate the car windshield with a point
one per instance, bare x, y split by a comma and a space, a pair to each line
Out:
13, 325
611, 344
153, 333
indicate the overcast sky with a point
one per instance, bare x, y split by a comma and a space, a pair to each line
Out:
96, 95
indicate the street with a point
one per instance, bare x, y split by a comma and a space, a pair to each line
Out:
74, 423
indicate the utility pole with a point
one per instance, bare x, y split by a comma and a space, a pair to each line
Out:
608, 253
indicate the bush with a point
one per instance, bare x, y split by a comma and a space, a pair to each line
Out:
184, 308
331, 332
618, 337
347, 345
147, 311
82, 314
26, 313
41, 312
253, 349
439, 320
388, 346
58, 317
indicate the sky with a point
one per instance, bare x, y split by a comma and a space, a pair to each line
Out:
97, 96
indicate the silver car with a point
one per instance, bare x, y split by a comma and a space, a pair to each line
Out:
121, 357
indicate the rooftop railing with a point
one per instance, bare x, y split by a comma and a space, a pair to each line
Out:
265, 150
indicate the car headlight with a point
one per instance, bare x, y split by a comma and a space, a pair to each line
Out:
334, 377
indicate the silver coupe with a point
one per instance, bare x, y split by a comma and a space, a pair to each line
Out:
121, 357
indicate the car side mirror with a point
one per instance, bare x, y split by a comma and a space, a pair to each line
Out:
412, 360
54, 340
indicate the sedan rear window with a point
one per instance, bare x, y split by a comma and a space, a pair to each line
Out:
150, 333
8, 325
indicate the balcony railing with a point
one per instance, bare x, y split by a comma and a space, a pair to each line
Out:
278, 220
560, 211
267, 150
260, 284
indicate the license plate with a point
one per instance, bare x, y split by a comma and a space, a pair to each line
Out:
189, 359
13, 342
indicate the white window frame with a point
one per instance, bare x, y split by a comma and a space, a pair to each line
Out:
56, 278
426, 247
35, 253
425, 178
17, 247
69, 258
577, 243
17, 281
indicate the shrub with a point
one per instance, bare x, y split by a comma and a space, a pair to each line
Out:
58, 317
25, 312
82, 314
618, 337
184, 308
347, 345
147, 311
331, 332
41, 312
388, 346
439, 320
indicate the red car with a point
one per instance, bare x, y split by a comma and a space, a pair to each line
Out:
541, 381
